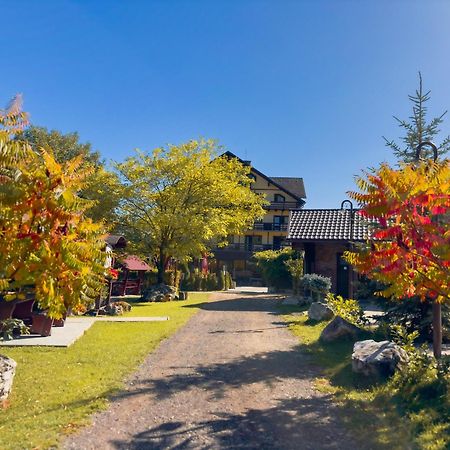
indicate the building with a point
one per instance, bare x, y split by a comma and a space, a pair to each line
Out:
284, 194
324, 235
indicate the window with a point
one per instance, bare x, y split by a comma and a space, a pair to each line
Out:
279, 198
279, 223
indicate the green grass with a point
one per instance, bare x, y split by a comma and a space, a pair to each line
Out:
57, 389
367, 408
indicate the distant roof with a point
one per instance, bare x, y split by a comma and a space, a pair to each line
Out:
134, 263
328, 224
115, 240
294, 185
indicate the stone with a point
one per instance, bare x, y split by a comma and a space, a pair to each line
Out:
378, 359
319, 311
290, 301
338, 328
160, 293
7, 372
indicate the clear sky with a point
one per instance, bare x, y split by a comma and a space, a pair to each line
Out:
300, 88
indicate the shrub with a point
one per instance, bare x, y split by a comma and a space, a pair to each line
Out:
221, 281
274, 271
12, 327
211, 282
317, 285
348, 309
421, 388
229, 280
295, 268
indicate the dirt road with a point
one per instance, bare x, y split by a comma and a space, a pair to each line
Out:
232, 378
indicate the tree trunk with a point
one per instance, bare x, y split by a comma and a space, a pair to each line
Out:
161, 266
437, 330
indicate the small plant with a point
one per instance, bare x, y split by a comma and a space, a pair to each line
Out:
317, 285
348, 309
295, 268
11, 327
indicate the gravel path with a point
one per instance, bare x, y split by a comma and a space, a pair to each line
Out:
232, 378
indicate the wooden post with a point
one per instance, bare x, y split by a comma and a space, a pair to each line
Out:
437, 330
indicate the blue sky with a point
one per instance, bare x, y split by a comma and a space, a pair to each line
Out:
300, 88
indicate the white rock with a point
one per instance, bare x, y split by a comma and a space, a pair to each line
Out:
377, 358
7, 372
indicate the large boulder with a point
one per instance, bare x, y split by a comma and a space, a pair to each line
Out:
338, 328
7, 372
378, 359
319, 311
160, 293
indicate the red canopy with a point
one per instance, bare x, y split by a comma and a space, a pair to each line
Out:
134, 263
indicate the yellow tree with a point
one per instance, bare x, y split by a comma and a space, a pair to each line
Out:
177, 200
410, 248
45, 240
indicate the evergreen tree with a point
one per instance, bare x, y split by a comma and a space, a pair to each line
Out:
418, 130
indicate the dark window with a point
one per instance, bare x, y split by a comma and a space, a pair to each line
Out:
279, 198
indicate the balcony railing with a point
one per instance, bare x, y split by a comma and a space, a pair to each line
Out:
250, 247
284, 205
269, 226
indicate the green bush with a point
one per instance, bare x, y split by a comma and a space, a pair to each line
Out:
295, 268
271, 264
421, 389
211, 282
198, 281
221, 281
9, 328
348, 309
315, 284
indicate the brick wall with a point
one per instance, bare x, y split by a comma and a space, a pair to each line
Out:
325, 260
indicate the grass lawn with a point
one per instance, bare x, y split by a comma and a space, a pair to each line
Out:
373, 414
57, 389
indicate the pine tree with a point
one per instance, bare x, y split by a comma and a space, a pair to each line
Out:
418, 130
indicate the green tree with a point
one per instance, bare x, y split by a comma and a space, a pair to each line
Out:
177, 200
100, 187
418, 130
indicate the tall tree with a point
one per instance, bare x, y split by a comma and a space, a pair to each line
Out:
177, 200
410, 249
418, 129
45, 240
101, 185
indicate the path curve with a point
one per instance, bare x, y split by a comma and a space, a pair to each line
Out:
232, 378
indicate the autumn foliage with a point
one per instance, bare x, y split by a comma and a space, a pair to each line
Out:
410, 246
46, 243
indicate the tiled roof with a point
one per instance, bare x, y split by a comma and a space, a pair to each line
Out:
294, 185
328, 224
115, 240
